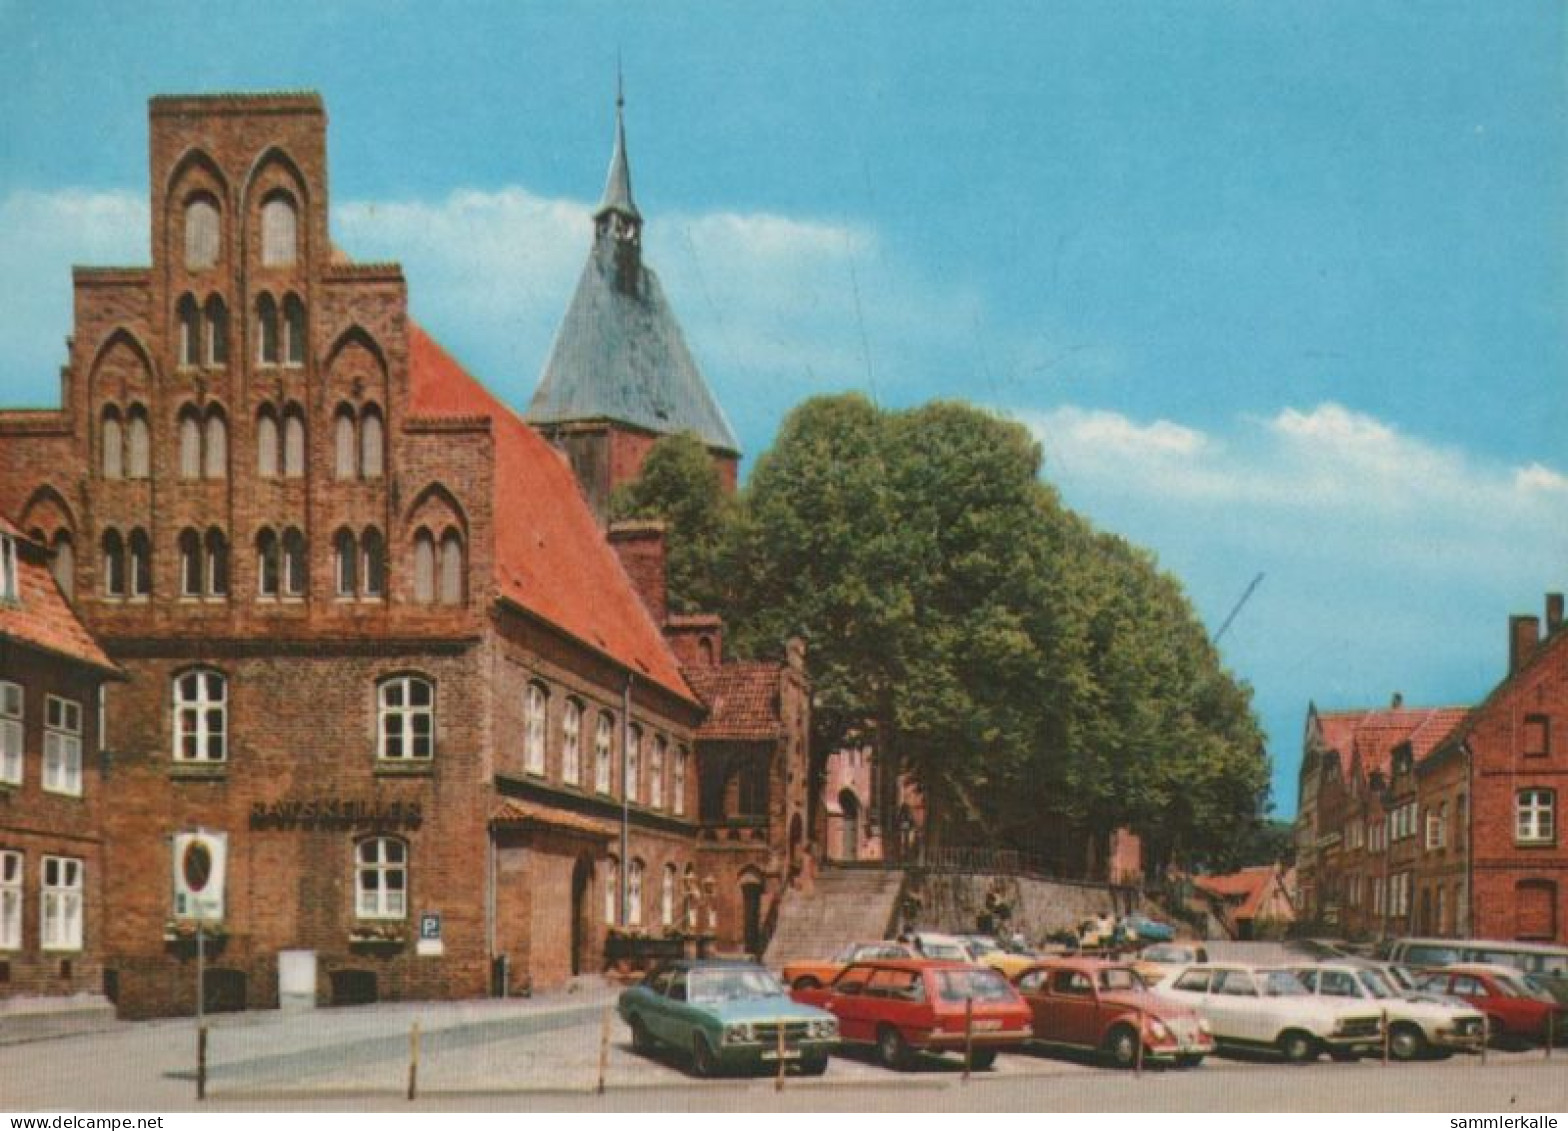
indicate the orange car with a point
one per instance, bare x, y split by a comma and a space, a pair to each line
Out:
811, 973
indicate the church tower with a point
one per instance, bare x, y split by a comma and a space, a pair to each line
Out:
620, 374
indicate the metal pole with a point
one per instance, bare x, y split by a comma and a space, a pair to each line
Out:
1551, 1031
201, 1062
1486, 1034
626, 801
413, 1061
1137, 1066
201, 972
604, 1049
1385, 1038
969, 1035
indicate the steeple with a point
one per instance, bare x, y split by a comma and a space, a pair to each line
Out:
617, 216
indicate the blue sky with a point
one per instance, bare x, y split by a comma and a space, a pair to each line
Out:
1282, 287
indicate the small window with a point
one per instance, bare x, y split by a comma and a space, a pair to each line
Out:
138, 455
139, 564
534, 709
279, 234
667, 896
345, 549
1537, 736
113, 564
424, 567
1534, 813
678, 782
633, 781
201, 233
189, 317
634, 876
343, 443
190, 444
63, 746
190, 564
656, 773
217, 331
267, 331
294, 339
268, 463
602, 739
10, 901
612, 894
451, 568
407, 720
572, 743
10, 578
268, 564
373, 563
217, 563
200, 717
11, 733
372, 459
381, 879
60, 904
113, 437
216, 457
293, 563
293, 442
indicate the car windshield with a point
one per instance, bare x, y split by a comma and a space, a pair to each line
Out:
708, 986
1376, 984
1280, 983
1170, 954
1537, 989
982, 945
982, 985
951, 951
1120, 978
1402, 977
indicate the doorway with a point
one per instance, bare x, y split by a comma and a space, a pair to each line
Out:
582, 884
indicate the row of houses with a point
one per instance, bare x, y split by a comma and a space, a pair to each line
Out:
1443, 820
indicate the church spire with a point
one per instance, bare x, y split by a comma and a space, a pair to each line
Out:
617, 214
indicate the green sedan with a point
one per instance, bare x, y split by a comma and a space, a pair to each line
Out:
726, 1014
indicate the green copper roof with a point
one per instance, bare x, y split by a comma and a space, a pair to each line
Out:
620, 355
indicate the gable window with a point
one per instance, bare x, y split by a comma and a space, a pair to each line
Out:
424, 567
343, 443
1537, 736
138, 444
293, 331
678, 782
656, 773
293, 442
201, 717
188, 315
267, 335
381, 879
279, 232
451, 568
60, 904
62, 746
267, 461
268, 562
62, 565
190, 443
113, 444
407, 719
217, 326
113, 564
533, 729
345, 548
201, 233
139, 564
1434, 827
11, 733
10, 901
217, 549
216, 456
373, 554
601, 752
372, 457
572, 743
293, 563
634, 763
1534, 812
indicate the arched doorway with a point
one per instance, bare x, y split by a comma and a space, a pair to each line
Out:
582, 885
849, 825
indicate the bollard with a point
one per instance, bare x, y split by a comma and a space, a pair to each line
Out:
413, 1060
778, 1083
201, 1062
1385, 1038
1137, 1063
969, 1036
1486, 1035
604, 1049
1551, 1032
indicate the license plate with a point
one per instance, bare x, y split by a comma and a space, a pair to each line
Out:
988, 1024
789, 1054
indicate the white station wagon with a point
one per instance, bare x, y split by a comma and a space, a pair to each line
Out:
1415, 1028
1263, 1007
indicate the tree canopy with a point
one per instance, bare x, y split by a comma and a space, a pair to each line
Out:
1026, 669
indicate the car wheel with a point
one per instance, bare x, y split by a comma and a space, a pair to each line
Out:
805, 982
892, 1049
1121, 1045
1298, 1047
814, 1066
981, 1059
642, 1040
703, 1062
1406, 1042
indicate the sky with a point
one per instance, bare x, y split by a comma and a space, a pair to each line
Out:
1281, 288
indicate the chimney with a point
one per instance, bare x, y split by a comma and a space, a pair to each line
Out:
1554, 612
1524, 633
640, 546
1397, 701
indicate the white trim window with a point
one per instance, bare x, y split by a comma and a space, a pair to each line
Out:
534, 710
406, 721
678, 782
656, 772
381, 879
9, 587
572, 743
634, 894
11, 733
612, 894
10, 901
201, 717
60, 904
1535, 816
634, 763
62, 746
601, 752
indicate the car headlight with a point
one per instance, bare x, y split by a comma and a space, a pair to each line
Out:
824, 1028
1204, 1026
737, 1034
1157, 1029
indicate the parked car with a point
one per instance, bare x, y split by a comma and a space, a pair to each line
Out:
1155, 963
1515, 1010
1085, 1003
1546, 963
1268, 1007
931, 944
986, 951
1415, 1028
902, 1006
807, 973
1138, 928
726, 1013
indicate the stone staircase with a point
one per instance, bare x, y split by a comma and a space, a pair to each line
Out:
845, 905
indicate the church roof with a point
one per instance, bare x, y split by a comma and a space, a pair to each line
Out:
551, 558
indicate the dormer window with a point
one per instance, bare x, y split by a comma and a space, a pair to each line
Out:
10, 588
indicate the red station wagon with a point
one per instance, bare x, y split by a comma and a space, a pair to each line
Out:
1512, 1007
1089, 1004
903, 1006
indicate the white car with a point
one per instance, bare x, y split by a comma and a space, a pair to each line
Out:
1414, 1027
930, 944
1267, 1007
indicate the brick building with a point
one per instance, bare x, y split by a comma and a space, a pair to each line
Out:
52, 792
372, 632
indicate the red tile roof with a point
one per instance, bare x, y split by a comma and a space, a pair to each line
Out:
550, 556
1373, 735
41, 616
515, 812
743, 699
1250, 887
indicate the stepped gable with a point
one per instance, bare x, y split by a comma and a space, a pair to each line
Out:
550, 556
1373, 735
41, 617
742, 700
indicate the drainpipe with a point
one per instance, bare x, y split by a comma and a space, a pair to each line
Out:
490, 900
626, 802
1469, 755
